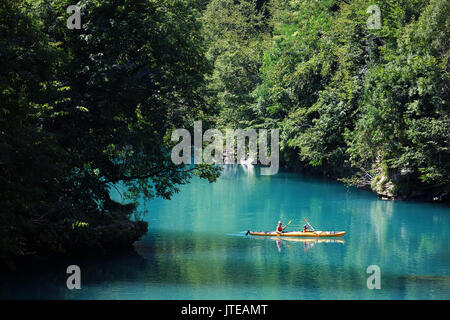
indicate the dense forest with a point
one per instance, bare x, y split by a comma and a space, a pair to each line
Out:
83, 110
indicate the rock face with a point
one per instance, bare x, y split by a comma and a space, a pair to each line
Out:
100, 239
404, 185
120, 235
385, 188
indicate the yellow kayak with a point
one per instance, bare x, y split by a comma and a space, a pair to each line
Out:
298, 233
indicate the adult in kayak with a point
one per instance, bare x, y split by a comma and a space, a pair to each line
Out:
280, 227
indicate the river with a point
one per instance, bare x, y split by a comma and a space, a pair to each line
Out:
196, 246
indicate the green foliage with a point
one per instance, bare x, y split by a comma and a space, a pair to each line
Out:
350, 99
404, 112
236, 35
82, 110
133, 74
351, 102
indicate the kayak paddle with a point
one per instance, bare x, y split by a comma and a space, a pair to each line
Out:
309, 224
288, 223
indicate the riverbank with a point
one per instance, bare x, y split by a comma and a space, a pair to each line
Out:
399, 187
40, 242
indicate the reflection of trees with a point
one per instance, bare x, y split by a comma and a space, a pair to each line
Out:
308, 243
224, 261
195, 263
380, 216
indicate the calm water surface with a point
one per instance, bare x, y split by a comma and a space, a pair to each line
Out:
196, 247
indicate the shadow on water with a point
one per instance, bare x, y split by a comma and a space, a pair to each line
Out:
47, 279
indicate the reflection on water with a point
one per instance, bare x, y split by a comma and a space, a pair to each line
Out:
196, 247
308, 243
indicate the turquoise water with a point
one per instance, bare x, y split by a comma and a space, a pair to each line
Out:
196, 246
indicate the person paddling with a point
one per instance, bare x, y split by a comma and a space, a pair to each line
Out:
307, 226
280, 227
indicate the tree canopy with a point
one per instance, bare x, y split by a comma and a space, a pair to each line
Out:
83, 110
352, 102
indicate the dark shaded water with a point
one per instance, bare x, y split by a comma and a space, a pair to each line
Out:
196, 247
